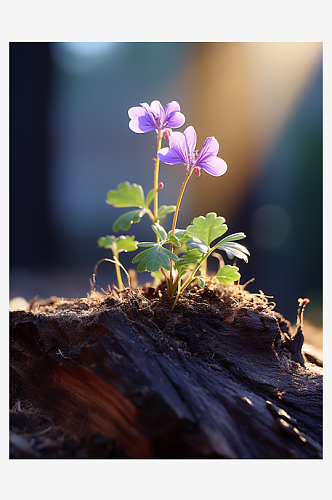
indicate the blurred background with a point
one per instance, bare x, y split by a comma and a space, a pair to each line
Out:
70, 144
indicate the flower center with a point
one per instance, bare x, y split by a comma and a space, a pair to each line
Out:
193, 158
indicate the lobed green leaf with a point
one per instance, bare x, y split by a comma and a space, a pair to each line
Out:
174, 240
160, 231
126, 220
227, 275
106, 241
233, 250
154, 258
118, 244
126, 195
207, 228
190, 257
186, 261
181, 235
233, 237
195, 242
147, 244
126, 244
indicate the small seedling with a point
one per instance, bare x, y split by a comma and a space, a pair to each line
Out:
117, 245
189, 248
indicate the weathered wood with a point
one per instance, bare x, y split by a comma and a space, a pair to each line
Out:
214, 379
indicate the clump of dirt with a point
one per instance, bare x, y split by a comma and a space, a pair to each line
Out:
211, 298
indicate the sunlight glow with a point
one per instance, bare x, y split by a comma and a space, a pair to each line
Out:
82, 57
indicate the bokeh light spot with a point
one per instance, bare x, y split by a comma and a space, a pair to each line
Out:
270, 227
82, 57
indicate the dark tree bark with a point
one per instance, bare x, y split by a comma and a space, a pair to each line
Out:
122, 377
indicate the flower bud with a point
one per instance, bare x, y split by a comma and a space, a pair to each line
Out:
160, 185
167, 133
197, 171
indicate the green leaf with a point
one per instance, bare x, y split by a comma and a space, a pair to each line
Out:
126, 195
173, 239
195, 242
228, 274
200, 281
149, 197
147, 244
118, 244
126, 243
126, 220
107, 242
233, 237
154, 258
166, 209
207, 228
181, 235
160, 231
187, 260
190, 257
233, 250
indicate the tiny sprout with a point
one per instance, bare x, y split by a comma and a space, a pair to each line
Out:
117, 245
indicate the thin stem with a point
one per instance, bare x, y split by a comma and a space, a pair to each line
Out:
191, 277
118, 272
187, 282
117, 265
175, 218
204, 268
176, 213
156, 176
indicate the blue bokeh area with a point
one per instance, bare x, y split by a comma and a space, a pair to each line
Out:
70, 143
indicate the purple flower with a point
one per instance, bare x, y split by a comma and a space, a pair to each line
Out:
155, 117
182, 150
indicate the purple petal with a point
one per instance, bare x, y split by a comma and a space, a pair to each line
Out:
191, 139
171, 107
213, 165
139, 127
142, 120
210, 148
172, 116
171, 156
176, 120
145, 106
157, 108
178, 142
136, 112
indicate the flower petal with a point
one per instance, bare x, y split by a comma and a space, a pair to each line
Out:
210, 148
171, 107
141, 119
191, 139
135, 112
135, 127
173, 117
171, 156
157, 108
213, 165
176, 120
141, 125
178, 141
